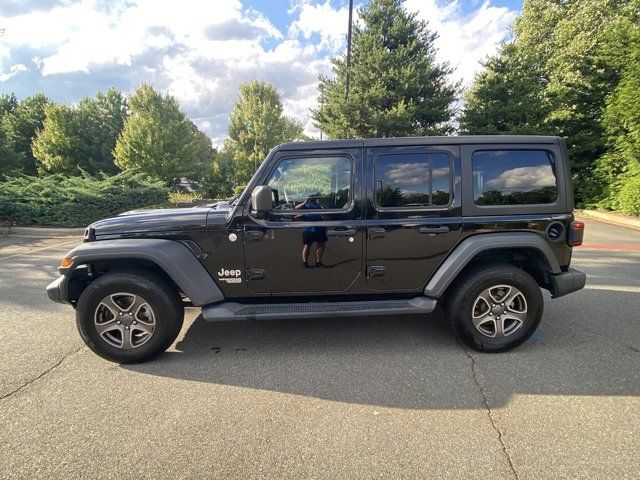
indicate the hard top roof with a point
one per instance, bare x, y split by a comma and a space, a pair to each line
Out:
401, 141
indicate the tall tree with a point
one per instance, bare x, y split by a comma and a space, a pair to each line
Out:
256, 125
58, 146
396, 85
506, 97
619, 168
157, 138
9, 159
20, 126
81, 137
8, 103
573, 53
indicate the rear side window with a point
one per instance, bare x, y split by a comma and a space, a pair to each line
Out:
514, 177
412, 180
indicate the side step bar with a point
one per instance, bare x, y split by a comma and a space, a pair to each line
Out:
273, 311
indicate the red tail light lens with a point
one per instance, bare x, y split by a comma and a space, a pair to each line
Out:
576, 234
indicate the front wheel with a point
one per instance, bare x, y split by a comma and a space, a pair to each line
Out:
129, 316
495, 307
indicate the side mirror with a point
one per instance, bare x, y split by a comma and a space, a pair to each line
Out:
261, 200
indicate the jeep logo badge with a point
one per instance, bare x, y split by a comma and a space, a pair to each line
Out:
230, 276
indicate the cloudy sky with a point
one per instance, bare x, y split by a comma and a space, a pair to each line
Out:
200, 50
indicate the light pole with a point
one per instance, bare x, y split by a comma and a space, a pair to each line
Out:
346, 93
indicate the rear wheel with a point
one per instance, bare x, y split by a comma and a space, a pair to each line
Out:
129, 316
495, 307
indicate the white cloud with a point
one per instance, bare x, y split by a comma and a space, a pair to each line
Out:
524, 177
200, 50
464, 39
13, 71
329, 23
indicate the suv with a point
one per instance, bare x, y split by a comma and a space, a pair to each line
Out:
478, 224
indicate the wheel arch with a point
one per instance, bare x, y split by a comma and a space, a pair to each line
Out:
168, 258
523, 249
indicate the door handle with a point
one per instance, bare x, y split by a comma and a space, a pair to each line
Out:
433, 230
375, 271
375, 232
347, 232
253, 235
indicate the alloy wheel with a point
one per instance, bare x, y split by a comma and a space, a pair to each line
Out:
499, 311
125, 320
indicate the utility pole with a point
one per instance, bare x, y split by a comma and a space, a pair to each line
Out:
346, 93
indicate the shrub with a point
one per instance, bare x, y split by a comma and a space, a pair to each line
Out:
177, 196
64, 201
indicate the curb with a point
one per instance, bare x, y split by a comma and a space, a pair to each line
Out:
47, 232
610, 217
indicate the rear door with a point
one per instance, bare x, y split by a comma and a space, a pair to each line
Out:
413, 216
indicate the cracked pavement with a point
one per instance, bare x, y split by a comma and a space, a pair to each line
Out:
340, 398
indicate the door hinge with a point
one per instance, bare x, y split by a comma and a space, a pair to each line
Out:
375, 271
253, 235
255, 274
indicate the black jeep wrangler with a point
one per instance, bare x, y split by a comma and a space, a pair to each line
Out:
342, 228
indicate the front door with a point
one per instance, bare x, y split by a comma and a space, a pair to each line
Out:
313, 239
413, 215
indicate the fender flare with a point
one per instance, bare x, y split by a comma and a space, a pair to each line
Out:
472, 246
174, 258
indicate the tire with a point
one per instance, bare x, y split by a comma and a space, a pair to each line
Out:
476, 312
152, 315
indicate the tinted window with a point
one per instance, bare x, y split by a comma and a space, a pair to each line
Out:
440, 178
327, 179
513, 177
412, 180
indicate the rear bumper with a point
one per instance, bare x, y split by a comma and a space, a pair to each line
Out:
58, 291
567, 282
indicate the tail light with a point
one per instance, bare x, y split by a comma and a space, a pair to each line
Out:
576, 233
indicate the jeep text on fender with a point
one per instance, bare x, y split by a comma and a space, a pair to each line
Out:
476, 225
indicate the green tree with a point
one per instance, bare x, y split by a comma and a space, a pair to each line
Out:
8, 103
619, 168
505, 97
82, 137
157, 137
218, 179
58, 146
20, 125
396, 85
256, 125
573, 52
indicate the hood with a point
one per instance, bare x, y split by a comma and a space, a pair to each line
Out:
156, 221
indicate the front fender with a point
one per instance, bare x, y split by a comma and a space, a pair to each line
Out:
174, 258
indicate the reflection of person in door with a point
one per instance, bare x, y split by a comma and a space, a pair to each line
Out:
314, 234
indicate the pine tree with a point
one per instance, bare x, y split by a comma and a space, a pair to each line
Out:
506, 97
397, 87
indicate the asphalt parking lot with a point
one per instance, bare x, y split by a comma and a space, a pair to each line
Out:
341, 398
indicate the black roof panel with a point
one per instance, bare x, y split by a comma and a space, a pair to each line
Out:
400, 141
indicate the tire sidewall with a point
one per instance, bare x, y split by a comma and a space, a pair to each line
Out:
507, 275
165, 311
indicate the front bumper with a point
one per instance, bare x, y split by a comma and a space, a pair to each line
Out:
567, 282
58, 290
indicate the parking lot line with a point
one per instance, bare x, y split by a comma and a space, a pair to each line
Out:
39, 249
